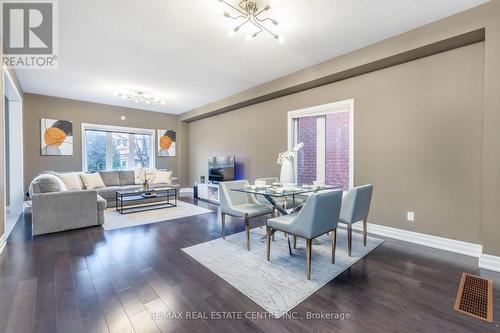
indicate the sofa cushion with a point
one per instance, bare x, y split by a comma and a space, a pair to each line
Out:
92, 180
72, 180
162, 177
47, 183
127, 177
110, 178
109, 192
101, 203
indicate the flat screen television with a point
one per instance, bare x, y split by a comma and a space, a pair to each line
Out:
221, 168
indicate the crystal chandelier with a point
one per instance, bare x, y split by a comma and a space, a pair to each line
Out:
140, 97
249, 12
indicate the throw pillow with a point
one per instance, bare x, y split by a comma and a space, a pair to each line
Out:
110, 178
162, 177
47, 183
92, 180
141, 173
72, 181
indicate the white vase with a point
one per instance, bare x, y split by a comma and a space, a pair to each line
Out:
287, 175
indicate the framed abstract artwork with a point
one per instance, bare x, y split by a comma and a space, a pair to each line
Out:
56, 137
166, 143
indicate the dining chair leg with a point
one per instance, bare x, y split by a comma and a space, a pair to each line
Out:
294, 242
223, 218
308, 258
349, 238
247, 229
273, 236
365, 231
269, 230
334, 244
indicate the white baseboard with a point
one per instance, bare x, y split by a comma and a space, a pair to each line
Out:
469, 249
2, 243
186, 190
489, 262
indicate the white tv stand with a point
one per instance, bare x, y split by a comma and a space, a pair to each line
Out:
208, 192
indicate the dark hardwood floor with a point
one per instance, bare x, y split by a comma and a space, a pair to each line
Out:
90, 280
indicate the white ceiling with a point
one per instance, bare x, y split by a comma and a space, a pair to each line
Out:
179, 50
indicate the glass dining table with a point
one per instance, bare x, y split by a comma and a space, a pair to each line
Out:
272, 194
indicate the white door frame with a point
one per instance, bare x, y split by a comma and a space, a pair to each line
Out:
318, 110
15, 100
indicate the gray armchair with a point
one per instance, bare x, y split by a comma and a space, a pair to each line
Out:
60, 211
241, 205
319, 216
355, 208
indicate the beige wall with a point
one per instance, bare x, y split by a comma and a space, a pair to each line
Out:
417, 138
455, 154
37, 107
426, 131
183, 153
491, 134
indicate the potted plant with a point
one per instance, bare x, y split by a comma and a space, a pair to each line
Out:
145, 183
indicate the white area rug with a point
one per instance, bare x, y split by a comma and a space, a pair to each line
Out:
115, 220
281, 284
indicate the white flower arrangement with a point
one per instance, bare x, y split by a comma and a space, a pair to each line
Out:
290, 154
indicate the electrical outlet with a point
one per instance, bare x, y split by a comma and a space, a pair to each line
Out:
410, 216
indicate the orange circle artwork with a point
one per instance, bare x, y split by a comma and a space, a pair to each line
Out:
165, 142
54, 136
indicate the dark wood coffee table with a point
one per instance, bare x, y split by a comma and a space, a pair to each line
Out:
133, 201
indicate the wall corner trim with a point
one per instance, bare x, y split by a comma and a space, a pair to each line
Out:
3, 242
451, 245
489, 262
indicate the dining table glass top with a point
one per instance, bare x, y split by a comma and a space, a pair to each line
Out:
285, 192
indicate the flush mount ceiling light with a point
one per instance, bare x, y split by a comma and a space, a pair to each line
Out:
140, 97
249, 12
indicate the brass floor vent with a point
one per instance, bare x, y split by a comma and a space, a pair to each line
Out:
475, 297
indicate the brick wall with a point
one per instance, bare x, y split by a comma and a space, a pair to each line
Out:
337, 149
306, 160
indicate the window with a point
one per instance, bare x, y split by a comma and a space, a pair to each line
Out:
116, 148
327, 133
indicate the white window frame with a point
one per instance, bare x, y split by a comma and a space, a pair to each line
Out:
119, 129
320, 110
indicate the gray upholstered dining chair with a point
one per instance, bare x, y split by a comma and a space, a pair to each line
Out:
355, 208
241, 205
319, 215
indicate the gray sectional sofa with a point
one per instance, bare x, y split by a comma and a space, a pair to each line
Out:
56, 209
124, 180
